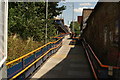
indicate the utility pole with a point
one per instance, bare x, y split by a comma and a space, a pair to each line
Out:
46, 21
73, 18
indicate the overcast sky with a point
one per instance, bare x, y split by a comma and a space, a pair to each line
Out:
78, 7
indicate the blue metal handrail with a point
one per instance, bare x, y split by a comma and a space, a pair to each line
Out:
12, 71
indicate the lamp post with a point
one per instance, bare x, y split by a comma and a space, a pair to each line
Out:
46, 21
73, 18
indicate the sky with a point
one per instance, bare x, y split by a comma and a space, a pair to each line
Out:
78, 7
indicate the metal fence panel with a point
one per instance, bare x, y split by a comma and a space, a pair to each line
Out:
25, 62
29, 71
39, 63
38, 54
29, 60
14, 70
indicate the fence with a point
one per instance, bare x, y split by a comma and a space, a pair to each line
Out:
31, 61
100, 71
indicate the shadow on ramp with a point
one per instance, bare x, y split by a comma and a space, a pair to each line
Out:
75, 65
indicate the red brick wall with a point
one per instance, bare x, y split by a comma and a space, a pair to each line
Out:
101, 32
79, 19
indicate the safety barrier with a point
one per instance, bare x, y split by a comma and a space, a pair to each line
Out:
100, 71
31, 61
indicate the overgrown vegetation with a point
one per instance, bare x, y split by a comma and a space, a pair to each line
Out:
26, 27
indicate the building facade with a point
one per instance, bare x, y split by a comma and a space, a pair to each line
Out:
103, 32
79, 19
60, 26
85, 15
3, 38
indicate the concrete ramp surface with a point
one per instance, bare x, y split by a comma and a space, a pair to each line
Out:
69, 62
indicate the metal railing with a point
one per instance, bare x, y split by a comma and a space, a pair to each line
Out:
100, 70
31, 61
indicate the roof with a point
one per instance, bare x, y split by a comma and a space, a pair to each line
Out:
87, 9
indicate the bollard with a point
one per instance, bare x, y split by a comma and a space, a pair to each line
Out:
110, 71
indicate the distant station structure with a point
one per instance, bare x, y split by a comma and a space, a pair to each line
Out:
62, 28
3, 38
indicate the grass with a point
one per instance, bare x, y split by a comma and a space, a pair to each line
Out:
18, 47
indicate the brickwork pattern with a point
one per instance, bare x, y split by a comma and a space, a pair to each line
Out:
102, 32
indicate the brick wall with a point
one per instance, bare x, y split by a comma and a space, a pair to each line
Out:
103, 30
86, 13
79, 19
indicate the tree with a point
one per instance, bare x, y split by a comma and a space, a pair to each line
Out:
76, 27
28, 19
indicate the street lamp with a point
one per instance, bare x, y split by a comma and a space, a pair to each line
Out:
73, 18
46, 20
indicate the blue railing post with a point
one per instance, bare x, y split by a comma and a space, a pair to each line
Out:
35, 58
54, 46
42, 53
23, 66
23, 63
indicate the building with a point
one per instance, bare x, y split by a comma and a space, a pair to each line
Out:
103, 32
85, 15
79, 19
3, 38
60, 25
67, 28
